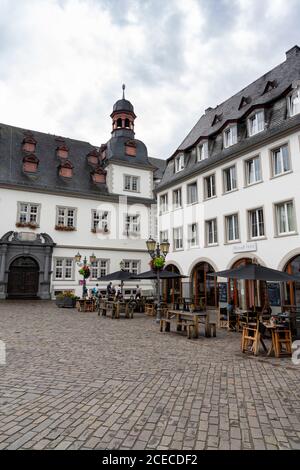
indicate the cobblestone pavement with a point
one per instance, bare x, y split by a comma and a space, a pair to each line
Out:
78, 381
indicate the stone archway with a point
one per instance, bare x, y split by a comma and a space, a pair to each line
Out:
172, 288
23, 278
203, 286
18, 253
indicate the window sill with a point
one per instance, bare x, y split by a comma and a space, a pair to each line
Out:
27, 225
209, 198
289, 234
273, 177
64, 228
249, 185
179, 249
232, 242
192, 203
211, 245
256, 239
132, 191
177, 208
229, 192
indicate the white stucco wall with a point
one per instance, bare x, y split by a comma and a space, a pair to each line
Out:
271, 251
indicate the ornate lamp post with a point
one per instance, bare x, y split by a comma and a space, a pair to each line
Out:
84, 270
158, 253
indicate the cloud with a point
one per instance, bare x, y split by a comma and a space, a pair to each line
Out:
62, 62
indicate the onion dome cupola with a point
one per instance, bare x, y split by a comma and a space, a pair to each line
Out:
123, 118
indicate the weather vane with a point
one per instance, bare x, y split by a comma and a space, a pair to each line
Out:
123, 88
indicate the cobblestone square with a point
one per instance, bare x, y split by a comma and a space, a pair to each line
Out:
78, 381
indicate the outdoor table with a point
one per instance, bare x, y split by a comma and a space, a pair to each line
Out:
272, 328
192, 316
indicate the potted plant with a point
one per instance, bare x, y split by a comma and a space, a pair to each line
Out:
158, 263
66, 299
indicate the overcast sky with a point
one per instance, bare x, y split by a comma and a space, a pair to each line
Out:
63, 62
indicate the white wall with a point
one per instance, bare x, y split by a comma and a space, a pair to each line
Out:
116, 180
271, 251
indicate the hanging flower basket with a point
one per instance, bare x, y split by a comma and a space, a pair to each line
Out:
85, 272
158, 263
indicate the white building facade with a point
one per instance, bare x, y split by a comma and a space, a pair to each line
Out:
60, 196
231, 192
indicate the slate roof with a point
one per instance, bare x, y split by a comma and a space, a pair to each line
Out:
268, 91
123, 105
47, 179
282, 76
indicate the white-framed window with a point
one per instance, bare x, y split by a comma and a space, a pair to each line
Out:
211, 232
99, 268
100, 220
192, 193
256, 122
229, 178
253, 170
132, 265
280, 160
28, 213
230, 136
163, 203
232, 228
256, 223
132, 224
294, 102
66, 216
285, 218
179, 163
178, 238
131, 183
63, 269
193, 237
177, 198
202, 150
209, 186
163, 235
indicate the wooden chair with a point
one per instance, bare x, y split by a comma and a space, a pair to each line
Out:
282, 338
222, 318
150, 310
251, 339
165, 324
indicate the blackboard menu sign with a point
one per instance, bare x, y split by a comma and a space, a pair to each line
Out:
222, 292
274, 294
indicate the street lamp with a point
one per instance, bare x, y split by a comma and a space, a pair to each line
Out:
158, 253
86, 273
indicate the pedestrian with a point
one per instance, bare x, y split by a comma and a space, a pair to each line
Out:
109, 289
138, 293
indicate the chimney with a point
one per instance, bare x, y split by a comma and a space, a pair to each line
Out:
293, 52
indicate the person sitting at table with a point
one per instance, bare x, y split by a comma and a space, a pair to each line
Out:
109, 289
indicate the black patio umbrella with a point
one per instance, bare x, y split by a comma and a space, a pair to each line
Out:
117, 276
256, 273
164, 274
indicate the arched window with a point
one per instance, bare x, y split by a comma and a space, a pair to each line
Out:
127, 123
119, 123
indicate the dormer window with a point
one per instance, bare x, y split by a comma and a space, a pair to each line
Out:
66, 169
92, 158
179, 163
256, 122
30, 163
270, 85
130, 148
98, 175
62, 151
29, 143
294, 102
202, 150
230, 136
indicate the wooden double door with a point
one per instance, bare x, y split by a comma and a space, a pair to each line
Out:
23, 278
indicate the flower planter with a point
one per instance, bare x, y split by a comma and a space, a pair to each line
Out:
66, 302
